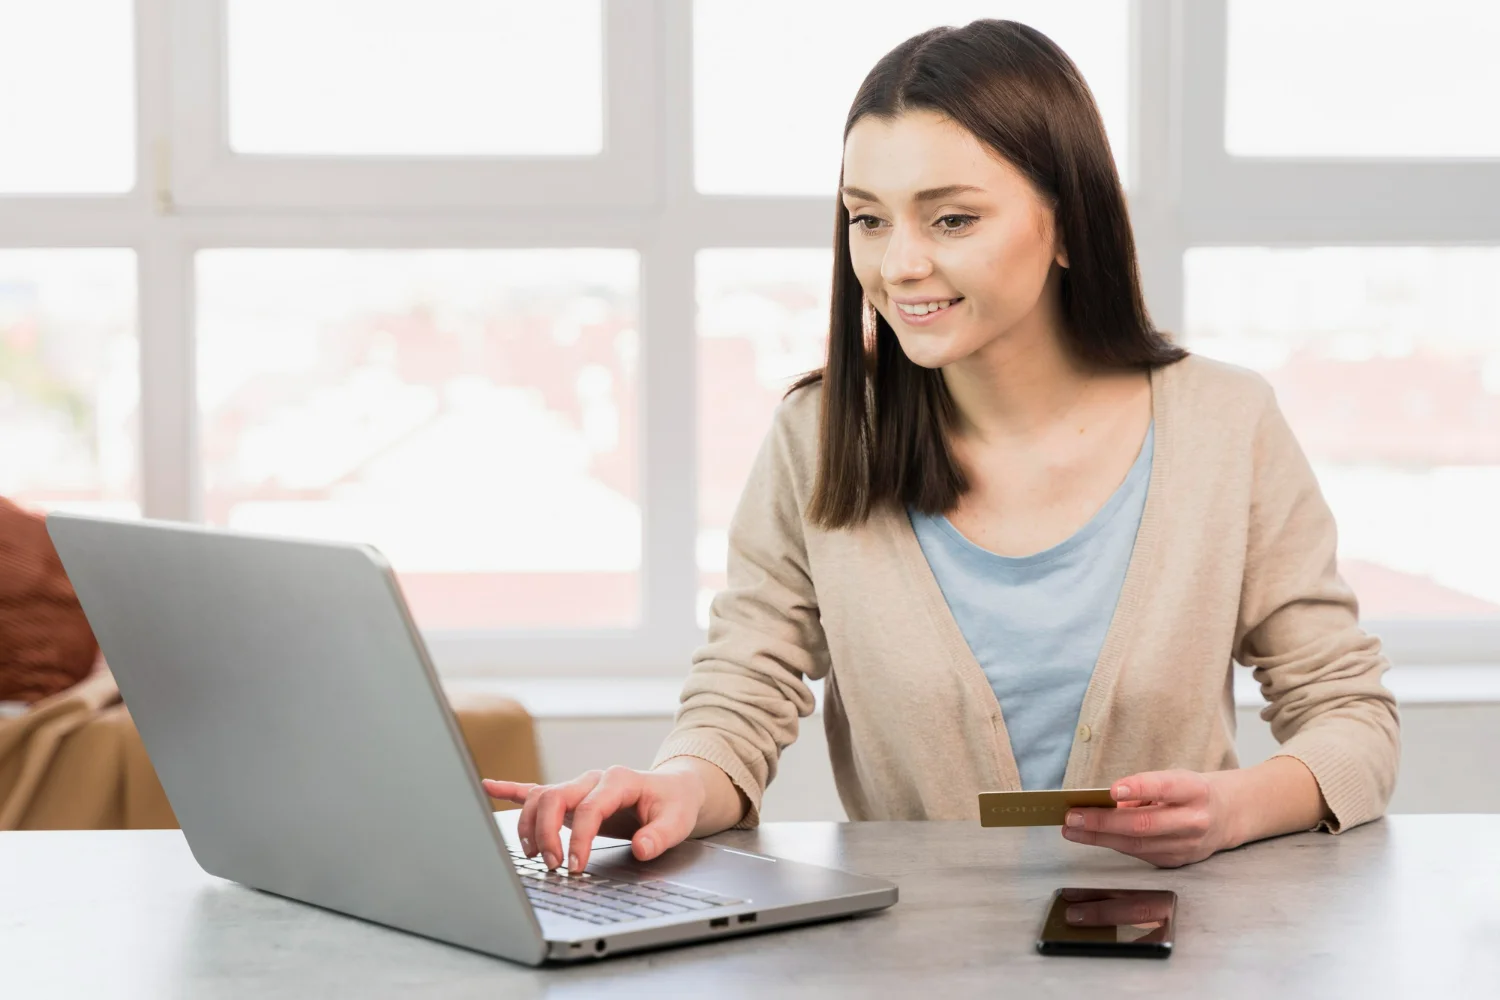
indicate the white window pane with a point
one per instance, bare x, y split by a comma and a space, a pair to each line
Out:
1386, 361
762, 321
407, 78
67, 97
69, 380
1363, 78
773, 81
472, 414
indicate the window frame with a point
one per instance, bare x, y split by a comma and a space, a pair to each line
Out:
207, 174
192, 195
1289, 201
1224, 200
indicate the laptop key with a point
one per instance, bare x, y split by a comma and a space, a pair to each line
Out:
620, 894
609, 904
606, 914
666, 906
694, 904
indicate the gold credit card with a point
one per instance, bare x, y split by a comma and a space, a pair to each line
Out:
1038, 808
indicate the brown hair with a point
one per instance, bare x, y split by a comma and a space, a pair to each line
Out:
883, 438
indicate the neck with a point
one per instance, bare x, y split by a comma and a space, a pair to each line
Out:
1022, 382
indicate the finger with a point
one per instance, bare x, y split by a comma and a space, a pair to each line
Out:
1163, 852
552, 806
507, 791
526, 825
1143, 822
619, 789
1159, 786
1125, 845
667, 827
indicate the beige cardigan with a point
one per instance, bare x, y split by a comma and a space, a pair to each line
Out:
1233, 562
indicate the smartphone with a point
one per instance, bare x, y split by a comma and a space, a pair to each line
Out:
1119, 922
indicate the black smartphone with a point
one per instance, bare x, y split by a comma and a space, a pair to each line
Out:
1119, 922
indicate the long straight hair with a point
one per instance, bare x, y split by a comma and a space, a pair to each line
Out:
885, 426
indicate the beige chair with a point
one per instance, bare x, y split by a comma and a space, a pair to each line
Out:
76, 762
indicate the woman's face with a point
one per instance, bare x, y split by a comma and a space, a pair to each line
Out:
935, 217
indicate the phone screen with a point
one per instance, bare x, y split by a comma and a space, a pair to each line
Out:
1109, 922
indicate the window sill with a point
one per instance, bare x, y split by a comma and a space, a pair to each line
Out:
657, 697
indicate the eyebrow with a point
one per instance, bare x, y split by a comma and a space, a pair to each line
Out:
931, 194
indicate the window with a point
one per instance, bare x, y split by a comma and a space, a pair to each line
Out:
439, 78
784, 134
67, 107
470, 413
1363, 78
403, 107
1386, 362
69, 383
762, 322
513, 290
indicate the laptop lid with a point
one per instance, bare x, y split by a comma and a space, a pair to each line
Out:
292, 713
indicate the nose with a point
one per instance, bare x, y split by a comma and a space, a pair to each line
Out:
905, 257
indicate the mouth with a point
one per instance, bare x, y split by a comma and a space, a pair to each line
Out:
926, 312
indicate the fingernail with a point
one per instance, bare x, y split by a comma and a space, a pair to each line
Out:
1122, 792
549, 859
1075, 819
646, 845
526, 847
572, 862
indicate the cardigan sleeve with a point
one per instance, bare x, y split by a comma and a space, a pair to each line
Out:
747, 689
1299, 630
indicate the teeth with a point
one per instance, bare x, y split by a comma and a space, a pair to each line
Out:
926, 307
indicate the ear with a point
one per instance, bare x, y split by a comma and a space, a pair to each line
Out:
1062, 256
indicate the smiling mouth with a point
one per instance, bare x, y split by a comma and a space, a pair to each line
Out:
927, 308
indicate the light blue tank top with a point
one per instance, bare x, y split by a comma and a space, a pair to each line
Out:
1036, 623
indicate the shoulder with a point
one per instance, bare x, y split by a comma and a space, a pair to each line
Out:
1205, 392
781, 479
1228, 418
797, 424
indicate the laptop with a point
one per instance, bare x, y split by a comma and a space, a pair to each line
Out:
293, 715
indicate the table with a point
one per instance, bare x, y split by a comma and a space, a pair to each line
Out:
1409, 906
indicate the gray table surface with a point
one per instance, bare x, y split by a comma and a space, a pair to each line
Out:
1409, 906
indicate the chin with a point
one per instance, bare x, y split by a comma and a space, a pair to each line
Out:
929, 352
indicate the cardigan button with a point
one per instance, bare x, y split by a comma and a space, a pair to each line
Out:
1085, 733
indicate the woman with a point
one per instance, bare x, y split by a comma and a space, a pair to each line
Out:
1020, 535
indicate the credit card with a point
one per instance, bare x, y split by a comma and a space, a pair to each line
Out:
1047, 808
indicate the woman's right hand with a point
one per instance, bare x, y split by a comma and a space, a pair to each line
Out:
654, 810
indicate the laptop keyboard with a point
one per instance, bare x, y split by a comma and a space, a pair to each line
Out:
597, 899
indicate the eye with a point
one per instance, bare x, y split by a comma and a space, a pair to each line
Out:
866, 223
956, 223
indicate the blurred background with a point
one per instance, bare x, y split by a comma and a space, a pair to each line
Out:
511, 291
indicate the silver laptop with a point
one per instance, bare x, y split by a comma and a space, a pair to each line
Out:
294, 717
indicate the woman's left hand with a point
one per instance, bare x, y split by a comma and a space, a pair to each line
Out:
1169, 818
